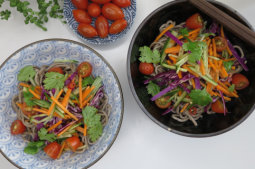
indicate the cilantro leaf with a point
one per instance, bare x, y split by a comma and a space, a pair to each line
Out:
36, 143
228, 65
207, 35
184, 32
33, 147
95, 132
196, 49
231, 88
90, 116
87, 81
149, 56
153, 88
54, 80
200, 97
44, 136
28, 96
26, 73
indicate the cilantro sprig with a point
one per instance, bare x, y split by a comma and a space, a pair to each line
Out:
200, 97
231, 88
28, 96
153, 88
26, 73
43, 135
33, 147
228, 65
149, 56
54, 80
87, 81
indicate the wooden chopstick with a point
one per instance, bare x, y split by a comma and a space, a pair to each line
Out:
225, 20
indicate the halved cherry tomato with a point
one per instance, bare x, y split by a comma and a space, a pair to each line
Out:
71, 85
146, 68
81, 16
112, 12
17, 127
80, 4
84, 69
118, 26
193, 111
218, 107
195, 21
56, 69
162, 102
52, 150
66, 148
102, 26
73, 143
28, 110
101, 1
87, 30
94, 10
240, 81
122, 3
221, 43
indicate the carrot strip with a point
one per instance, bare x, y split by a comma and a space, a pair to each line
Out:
229, 52
190, 33
212, 93
209, 42
173, 59
66, 98
175, 49
19, 105
226, 98
222, 32
75, 134
202, 67
202, 84
180, 93
232, 59
214, 48
63, 108
211, 50
85, 94
85, 130
62, 132
212, 65
55, 125
184, 107
36, 95
193, 83
163, 32
39, 110
24, 84
53, 104
224, 72
233, 67
169, 62
180, 74
67, 117
61, 150
223, 90
190, 71
86, 101
227, 83
80, 129
80, 90
216, 64
220, 63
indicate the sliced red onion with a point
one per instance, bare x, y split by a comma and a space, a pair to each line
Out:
223, 101
197, 83
70, 78
174, 38
167, 111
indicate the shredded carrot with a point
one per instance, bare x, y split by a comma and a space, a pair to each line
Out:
86, 101
53, 104
62, 132
213, 66
211, 50
80, 90
212, 93
216, 64
190, 33
75, 101
226, 98
85, 130
39, 110
169, 62
55, 125
202, 67
66, 98
180, 93
38, 90
193, 83
173, 59
61, 150
19, 105
232, 59
63, 108
80, 129
175, 49
214, 48
163, 32
233, 67
180, 74
36, 95
184, 107
75, 134
67, 117
234, 94
229, 52
24, 84
202, 84
208, 87
85, 94
220, 63
227, 83
190, 71
222, 32
223, 85
223, 90
223, 71
208, 43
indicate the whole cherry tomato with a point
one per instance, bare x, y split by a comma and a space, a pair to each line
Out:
80, 4
56, 69
122, 3
221, 43
94, 10
52, 150
162, 102
81, 16
101, 1
17, 127
84, 69
28, 110
73, 143
112, 12
195, 21
218, 107
87, 30
240, 81
102, 26
146, 68
118, 26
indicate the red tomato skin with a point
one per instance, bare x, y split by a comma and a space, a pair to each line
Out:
81, 16
17, 127
223, 43
101, 1
71, 85
52, 150
26, 112
112, 12
240, 81
102, 26
162, 106
122, 3
94, 10
146, 68
217, 107
84, 69
73, 143
56, 69
193, 23
118, 26
80, 4
87, 30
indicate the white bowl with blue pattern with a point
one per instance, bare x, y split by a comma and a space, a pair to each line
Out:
129, 12
44, 53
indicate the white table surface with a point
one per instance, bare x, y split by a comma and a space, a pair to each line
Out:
141, 143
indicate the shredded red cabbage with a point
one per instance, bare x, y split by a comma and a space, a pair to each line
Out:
197, 83
174, 38
167, 111
185, 88
70, 78
198, 62
214, 28
73, 109
223, 101
53, 91
98, 96
160, 75
65, 126
42, 94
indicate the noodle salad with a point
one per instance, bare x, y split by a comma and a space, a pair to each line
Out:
60, 108
192, 69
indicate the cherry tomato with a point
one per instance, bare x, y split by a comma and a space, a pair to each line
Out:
146, 68
56, 69
81, 16
52, 150
162, 102
80, 4
102, 26
66, 148
87, 30
193, 111
112, 12
71, 85
94, 10
101, 1
17, 127
218, 107
28, 110
195, 21
240, 81
118, 26
221, 43
122, 3
84, 69
73, 143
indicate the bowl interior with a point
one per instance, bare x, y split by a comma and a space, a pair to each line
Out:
44, 53
208, 125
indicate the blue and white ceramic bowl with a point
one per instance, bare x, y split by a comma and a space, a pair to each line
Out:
44, 53
129, 12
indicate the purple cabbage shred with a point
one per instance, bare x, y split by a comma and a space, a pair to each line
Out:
68, 81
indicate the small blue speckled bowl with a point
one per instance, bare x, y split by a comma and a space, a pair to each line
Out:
44, 53
129, 12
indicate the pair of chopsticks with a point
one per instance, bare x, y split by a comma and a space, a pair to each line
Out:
226, 21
